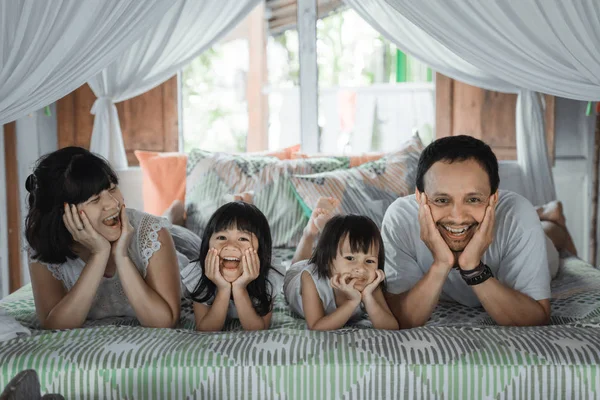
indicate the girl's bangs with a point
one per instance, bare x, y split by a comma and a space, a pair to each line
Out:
236, 218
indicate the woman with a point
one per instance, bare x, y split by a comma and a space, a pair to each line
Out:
90, 257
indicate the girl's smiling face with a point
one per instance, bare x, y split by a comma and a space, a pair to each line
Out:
231, 244
358, 265
103, 212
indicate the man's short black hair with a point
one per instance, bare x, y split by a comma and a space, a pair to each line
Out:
458, 148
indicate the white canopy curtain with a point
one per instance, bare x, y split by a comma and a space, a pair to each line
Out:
532, 153
185, 31
49, 48
550, 46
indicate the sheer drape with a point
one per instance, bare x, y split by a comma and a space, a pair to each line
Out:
549, 46
531, 135
185, 31
49, 48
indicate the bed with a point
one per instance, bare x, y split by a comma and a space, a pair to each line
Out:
460, 354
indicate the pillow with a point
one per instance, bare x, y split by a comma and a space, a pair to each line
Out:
211, 177
163, 179
368, 189
164, 176
355, 159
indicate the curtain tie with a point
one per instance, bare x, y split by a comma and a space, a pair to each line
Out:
100, 102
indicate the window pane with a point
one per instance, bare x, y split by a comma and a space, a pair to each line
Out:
215, 110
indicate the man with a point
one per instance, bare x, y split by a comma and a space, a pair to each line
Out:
460, 239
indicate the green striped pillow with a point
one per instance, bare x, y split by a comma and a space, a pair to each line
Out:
213, 176
368, 189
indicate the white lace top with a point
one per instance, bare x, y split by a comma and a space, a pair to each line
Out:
110, 300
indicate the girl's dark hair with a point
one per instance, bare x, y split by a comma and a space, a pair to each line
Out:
362, 233
245, 217
70, 175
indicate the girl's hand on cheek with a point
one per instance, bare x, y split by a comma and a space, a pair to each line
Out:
370, 288
345, 284
251, 268
212, 271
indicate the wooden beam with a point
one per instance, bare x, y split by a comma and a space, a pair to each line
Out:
549, 119
309, 88
258, 103
13, 206
443, 105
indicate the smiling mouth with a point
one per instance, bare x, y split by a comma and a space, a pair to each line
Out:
230, 262
112, 221
457, 232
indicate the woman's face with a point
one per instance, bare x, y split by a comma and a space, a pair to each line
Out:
230, 244
103, 212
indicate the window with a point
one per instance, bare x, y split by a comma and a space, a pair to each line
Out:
371, 96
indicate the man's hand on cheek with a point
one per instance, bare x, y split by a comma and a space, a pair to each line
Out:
442, 255
481, 240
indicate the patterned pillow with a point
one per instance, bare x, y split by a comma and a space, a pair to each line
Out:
213, 176
368, 189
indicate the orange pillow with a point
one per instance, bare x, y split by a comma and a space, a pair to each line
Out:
163, 179
355, 159
164, 176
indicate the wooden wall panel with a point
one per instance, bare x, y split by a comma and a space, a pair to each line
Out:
484, 114
148, 122
13, 206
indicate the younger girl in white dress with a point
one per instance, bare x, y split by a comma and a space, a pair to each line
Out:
233, 277
342, 280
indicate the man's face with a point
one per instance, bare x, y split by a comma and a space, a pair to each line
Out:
458, 194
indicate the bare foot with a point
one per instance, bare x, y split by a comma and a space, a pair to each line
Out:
326, 208
552, 212
328, 203
176, 213
246, 197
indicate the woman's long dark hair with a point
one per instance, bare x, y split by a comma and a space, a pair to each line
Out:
245, 217
70, 175
362, 233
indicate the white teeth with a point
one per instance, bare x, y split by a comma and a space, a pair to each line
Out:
231, 259
455, 231
111, 217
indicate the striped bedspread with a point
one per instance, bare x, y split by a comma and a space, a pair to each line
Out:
460, 354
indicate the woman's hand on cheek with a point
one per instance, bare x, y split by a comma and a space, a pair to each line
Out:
82, 230
121, 245
251, 268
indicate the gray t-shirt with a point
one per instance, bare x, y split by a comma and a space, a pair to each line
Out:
517, 256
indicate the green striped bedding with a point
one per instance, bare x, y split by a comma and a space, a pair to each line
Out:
460, 354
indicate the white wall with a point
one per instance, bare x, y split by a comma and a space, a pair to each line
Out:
572, 169
36, 135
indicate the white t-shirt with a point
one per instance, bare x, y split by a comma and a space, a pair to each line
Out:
518, 256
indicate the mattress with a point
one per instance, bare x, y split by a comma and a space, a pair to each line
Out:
459, 354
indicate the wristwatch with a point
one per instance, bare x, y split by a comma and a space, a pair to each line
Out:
477, 275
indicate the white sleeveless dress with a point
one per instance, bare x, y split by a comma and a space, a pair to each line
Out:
110, 299
292, 289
